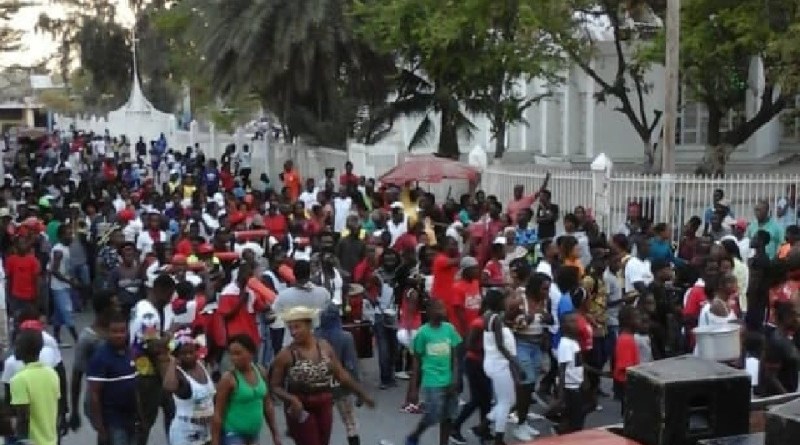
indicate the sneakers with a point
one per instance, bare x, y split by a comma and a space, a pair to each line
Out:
457, 439
531, 430
402, 375
521, 433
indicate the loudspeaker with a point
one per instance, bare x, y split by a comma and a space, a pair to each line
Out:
783, 424
747, 439
682, 400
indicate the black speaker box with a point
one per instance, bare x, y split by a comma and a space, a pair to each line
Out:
783, 424
682, 400
746, 439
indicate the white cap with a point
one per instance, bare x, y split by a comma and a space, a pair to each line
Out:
500, 240
396, 205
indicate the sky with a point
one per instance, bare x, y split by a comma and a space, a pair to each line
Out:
38, 45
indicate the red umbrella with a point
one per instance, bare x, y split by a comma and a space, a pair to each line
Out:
429, 169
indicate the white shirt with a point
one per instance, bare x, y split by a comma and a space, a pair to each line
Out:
255, 247
119, 204
145, 322
637, 270
569, 352
63, 267
50, 356
145, 242
341, 208
245, 159
397, 229
308, 198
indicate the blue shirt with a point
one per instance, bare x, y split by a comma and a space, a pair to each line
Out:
661, 250
565, 307
116, 372
775, 234
526, 237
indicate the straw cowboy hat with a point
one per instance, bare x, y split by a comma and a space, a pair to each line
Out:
299, 313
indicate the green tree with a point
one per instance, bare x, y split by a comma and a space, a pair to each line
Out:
300, 58
469, 55
631, 26
720, 40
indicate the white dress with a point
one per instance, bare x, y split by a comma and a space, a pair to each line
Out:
192, 422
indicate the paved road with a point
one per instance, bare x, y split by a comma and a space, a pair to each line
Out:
385, 422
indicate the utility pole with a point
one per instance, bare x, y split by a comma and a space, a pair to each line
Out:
671, 85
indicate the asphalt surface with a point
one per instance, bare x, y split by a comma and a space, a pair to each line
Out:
384, 425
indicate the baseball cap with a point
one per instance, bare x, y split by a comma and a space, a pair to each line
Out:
467, 262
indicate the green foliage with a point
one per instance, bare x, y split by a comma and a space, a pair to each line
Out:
473, 53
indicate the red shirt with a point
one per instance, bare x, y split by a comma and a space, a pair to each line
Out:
362, 272
626, 354
477, 352
239, 319
291, 180
444, 274
405, 242
515, 206
277, 226
695, 301
585, 333
349, 179
22, 273
494, 272
226, 178
466, 295
184, 247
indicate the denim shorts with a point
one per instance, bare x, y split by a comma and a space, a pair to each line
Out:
229, 438
439, 405
529, 356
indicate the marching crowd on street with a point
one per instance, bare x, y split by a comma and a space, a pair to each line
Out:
220, 299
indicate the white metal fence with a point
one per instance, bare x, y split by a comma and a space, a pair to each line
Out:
680, 196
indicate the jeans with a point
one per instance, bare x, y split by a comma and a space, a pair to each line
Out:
529, 356
440, 406
81, 273
62, 305
386, 339
121, 436
480, 392
611, 343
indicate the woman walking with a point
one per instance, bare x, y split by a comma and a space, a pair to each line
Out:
301, 377
499, 362
243, 401
192, 391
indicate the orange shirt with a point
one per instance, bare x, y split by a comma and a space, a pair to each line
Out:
291, 180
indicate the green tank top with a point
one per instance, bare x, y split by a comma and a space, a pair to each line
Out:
245, 406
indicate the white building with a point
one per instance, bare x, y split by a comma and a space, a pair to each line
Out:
571, 125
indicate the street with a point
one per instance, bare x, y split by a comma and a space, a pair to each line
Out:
384, 423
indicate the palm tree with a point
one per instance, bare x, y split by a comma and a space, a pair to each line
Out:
300, 57
418, 96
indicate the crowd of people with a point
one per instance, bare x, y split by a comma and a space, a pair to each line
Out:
214, 297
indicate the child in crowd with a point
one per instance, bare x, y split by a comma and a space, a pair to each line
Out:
626, 352
570, 376
435, 368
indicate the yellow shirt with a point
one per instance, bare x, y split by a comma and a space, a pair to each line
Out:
36, 386
409, 206
188, 191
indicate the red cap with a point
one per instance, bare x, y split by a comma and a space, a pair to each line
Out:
126, 215
205, 248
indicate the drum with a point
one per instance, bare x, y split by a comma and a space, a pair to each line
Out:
362, 337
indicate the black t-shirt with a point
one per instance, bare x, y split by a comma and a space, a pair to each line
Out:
547, 216
781, 351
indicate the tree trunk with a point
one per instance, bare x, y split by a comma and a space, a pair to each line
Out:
650, 157
714, 160
716, 152
499, 139
448, 135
